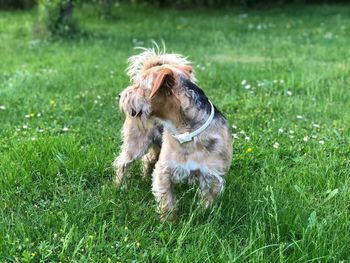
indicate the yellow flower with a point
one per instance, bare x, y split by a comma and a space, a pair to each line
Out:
32, 114
33, 254
249, 150
125, 239
52, 102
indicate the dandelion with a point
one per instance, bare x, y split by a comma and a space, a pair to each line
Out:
2, 107
300, 117
243, 82
289, 93
276, 145
33, 254
249, 150
321, 142
306, 138
65, 129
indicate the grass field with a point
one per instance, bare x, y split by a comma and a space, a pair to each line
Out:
281, 77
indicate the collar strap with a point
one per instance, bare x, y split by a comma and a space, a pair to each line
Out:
188, 136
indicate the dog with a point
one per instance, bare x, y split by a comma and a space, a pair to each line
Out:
174, 127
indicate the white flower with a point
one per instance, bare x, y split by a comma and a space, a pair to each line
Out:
306, 138
234, 127
38, 114
289, 93
299, 117
25, 126
235, 135
41, 130
314, 136
244, 82
242, 132
316, 125
247, 86
321, 142
17, 129
276, 145
281, 81
33, 138
291, 131
280, 130
275, 81
247, 138
2, 107
98, 97
65, 129
27, 116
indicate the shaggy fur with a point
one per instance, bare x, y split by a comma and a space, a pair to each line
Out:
164, 100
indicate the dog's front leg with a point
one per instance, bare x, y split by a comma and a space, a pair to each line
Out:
136, 141
150, 159
162, 189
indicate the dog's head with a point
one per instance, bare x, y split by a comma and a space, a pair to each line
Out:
156, 81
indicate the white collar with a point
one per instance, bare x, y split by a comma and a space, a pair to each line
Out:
187, 136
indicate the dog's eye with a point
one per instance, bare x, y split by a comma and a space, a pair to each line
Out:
133, 113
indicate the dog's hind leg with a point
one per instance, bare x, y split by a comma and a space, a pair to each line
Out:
211, 186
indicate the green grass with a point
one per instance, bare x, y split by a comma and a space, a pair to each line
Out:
285, 204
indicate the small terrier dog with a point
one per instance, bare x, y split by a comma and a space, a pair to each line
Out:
173, 126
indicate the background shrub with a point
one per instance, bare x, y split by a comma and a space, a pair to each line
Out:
17, 4
56, 16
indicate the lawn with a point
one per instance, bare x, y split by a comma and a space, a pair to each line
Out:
280, 76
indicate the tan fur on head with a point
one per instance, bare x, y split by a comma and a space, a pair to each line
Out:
153, 57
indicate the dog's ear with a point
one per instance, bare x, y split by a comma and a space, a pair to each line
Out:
165, 78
